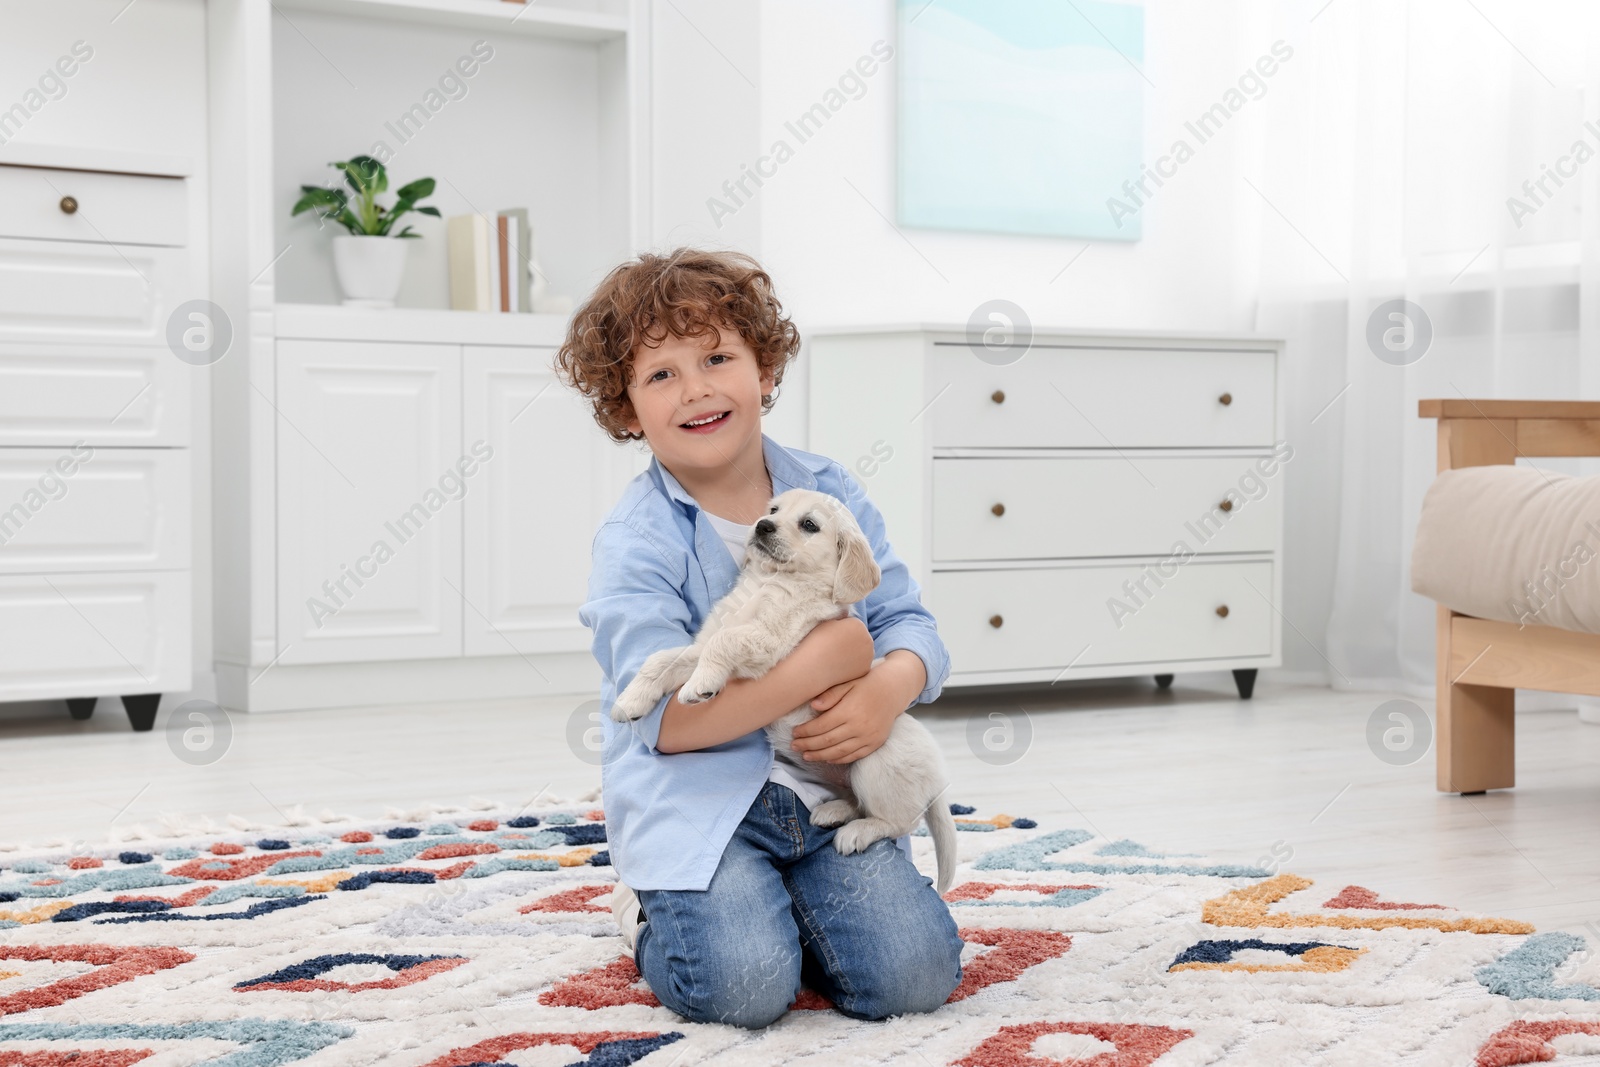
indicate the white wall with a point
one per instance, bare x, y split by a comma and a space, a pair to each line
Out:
840, 262
705, 115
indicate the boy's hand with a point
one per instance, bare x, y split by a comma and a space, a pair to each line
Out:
855, 717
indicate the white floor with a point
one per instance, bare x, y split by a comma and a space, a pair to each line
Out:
1287, 775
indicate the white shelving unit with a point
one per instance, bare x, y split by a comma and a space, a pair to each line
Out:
328, 419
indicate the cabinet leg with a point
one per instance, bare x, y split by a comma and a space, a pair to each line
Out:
141, 709
1245, 679
1163, 681
81, 707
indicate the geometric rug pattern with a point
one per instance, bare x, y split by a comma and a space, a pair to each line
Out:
483, 938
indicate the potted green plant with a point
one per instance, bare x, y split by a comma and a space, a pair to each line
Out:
368, 261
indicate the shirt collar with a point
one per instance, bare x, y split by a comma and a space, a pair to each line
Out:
784, 467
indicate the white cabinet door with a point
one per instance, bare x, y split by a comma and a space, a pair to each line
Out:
532, 510
369, 500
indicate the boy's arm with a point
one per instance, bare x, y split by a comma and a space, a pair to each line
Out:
635, 608
832, 652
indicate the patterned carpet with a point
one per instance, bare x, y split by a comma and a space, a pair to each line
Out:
453, 938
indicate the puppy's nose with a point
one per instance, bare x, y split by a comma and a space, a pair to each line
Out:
765, 526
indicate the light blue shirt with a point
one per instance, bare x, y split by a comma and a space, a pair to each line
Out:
657, 568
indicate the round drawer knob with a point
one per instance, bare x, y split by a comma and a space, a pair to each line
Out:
995, 621
69, 205
1226, 505
998, 396
1225, 399
1222, 610
999, 509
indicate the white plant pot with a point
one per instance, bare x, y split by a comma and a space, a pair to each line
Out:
370, 269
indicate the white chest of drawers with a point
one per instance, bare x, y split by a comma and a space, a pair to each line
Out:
94, 434
1099, 505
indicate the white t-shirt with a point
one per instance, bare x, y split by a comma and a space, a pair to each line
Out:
734, 535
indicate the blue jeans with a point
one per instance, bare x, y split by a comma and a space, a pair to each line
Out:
867, 931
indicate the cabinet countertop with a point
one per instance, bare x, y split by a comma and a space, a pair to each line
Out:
335, 322
958, 330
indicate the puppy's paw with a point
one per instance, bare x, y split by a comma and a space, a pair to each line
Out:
701, 686
631, 705
834, 813
858, 836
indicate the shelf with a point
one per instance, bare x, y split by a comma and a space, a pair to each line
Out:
498, 15
335, 322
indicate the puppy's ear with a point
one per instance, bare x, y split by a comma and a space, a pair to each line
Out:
858, 572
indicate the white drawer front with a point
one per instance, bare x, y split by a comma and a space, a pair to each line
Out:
116, 208
93, 509
1048, 615
101, 394
1054, 507
1100, 398
63, 291
71, 635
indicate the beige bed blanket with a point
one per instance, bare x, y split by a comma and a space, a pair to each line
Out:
1513, 544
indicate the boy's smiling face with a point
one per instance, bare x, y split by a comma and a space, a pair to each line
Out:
687, 379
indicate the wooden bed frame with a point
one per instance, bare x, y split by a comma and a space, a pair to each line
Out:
1482, 663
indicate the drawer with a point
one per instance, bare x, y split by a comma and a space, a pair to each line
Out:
63, 291
1048, 615
1103, 398
100, 394
116, 208
1065, 506
93, 509
70, 635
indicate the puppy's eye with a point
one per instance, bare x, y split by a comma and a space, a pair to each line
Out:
773, 510
808, 526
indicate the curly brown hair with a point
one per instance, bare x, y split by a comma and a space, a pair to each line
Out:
688, 293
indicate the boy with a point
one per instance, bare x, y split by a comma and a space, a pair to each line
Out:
728, 897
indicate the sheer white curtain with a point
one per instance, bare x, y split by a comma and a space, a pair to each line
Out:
1388, 160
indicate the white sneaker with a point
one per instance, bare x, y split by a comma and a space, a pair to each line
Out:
625, 909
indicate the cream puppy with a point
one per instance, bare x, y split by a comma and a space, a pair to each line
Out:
807, 561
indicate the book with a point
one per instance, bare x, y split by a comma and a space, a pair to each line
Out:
513, 259
491, 253
523, 235
503, 263
467, 240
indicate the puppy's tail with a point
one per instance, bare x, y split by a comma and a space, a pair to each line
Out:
942, 828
